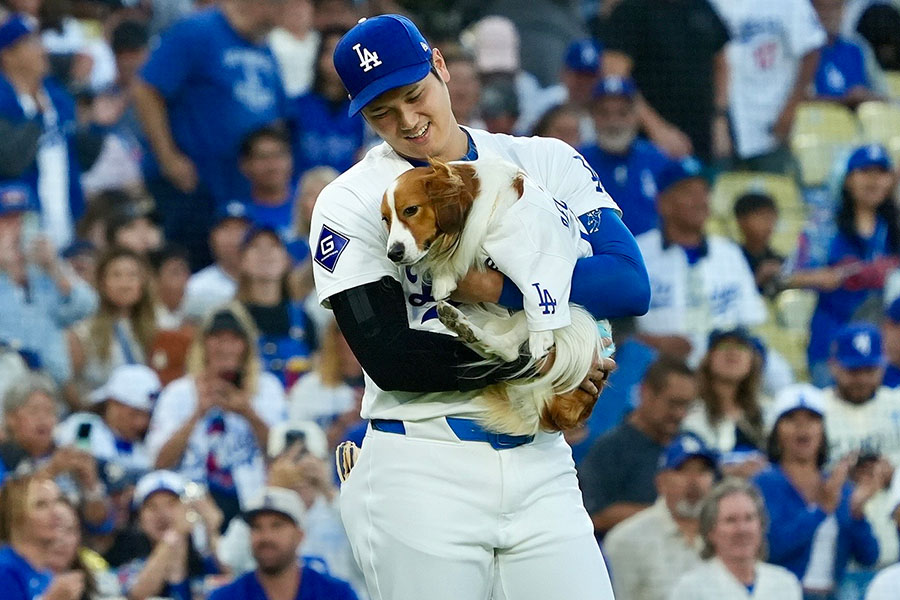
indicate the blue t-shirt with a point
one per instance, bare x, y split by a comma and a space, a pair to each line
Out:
842, 67
891, 376
313, 586
324, 134
218, 88
279, 217
18, 579
631, 180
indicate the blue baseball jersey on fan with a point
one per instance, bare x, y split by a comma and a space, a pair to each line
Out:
313, 586
280, 217
631, 180
18, 579
842, 67
836, 309
218, 88
324, 133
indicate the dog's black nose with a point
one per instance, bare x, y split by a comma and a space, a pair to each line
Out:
396, 252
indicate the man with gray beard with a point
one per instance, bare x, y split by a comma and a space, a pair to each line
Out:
648, 552
627, 166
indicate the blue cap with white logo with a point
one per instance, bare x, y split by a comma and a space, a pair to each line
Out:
380, 54
857, 346
686, 446
232, 210
677, 171
873, 155
893, 311
583, 56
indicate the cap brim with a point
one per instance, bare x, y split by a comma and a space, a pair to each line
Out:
860, 363
398, 78
249, 514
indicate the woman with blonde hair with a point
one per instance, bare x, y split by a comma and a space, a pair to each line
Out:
121, 330
212, 425
28, 529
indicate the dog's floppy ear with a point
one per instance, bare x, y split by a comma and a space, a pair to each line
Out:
451, 190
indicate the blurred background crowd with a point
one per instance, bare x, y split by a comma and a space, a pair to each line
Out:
172, 393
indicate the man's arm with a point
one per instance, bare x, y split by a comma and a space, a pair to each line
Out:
614, 514
154, 116
805, 76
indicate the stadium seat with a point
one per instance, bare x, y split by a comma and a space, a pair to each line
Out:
787, 329
821, 131
730, 186
881, 124
892, 78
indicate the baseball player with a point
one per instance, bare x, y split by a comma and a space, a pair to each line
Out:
436, 507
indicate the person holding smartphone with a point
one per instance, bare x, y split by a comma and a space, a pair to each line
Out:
212, 425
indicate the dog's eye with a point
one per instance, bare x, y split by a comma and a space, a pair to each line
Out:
410, 211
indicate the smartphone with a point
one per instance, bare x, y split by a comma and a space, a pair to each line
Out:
293, 436
235, 378
83, 436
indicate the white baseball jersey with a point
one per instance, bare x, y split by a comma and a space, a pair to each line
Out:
712, 581
768, 39
348, 241
871, 426
717, 292
536, 246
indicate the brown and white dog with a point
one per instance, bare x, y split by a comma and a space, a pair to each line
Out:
440, 216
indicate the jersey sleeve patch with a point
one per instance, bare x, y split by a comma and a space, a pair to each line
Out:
329, 248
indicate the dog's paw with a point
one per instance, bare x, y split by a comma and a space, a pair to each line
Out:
454, 320
539, 343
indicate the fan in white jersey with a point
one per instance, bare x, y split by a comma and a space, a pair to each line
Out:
437, 506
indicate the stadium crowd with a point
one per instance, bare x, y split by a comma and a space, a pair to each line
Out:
172, 393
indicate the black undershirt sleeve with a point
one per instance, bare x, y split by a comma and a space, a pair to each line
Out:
373, 320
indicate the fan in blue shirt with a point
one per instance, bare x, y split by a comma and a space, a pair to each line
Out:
219, 81
628, 167
890, 333
842, 75
276, 518
325, 133
265, 160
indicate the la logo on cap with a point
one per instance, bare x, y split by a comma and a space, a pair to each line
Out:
863, 343
367, 60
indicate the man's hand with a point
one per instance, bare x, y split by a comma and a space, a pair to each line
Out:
478, 286
671, 140
569, 410
781, 129
180, 171
721, 138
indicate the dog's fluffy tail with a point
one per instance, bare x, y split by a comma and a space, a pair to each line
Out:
575, 347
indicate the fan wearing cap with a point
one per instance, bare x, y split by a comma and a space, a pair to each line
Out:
287, 337
649, 551
890, 332
39, 294
699, 283
38, 129
818, 524
116, 433
212, 425
628, 166
859, 408
848, 259
209, 82
135, 226
160, 557
276, 520
216, 284
417, 373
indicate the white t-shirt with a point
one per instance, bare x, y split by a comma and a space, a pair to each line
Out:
717, 292
885, 584
768, 39
235, 449
348, 242
873, 425
311, 400
296, 59
207, 289
712, 581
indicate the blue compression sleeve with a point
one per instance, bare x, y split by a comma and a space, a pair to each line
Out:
611, 283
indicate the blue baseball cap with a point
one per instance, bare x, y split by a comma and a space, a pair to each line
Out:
677, 171
684, 447
583, 56
15, 198
893, 311
14, 29
615, 86
857, 346
257, 230
380, 54
232, 210
872, 155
